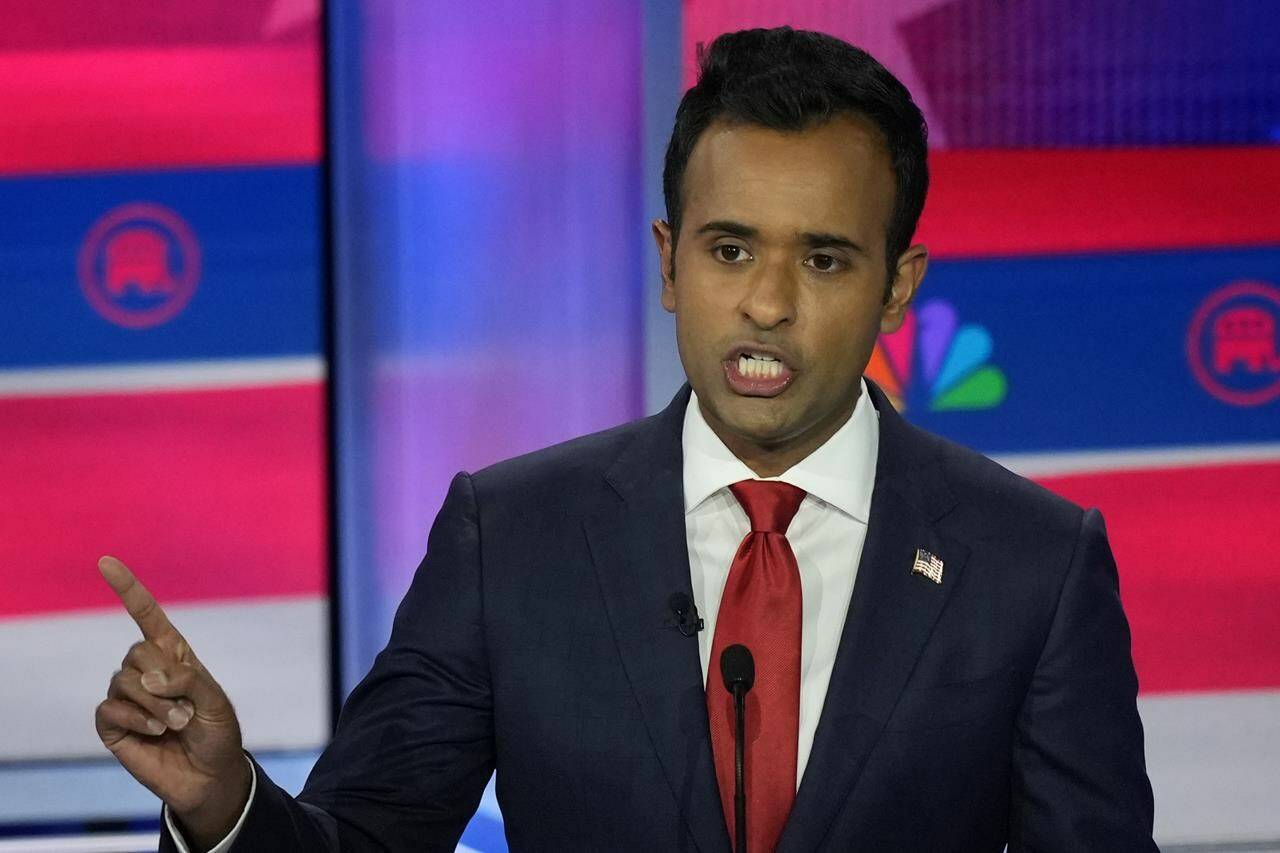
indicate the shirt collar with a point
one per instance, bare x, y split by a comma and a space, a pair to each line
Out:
841, 472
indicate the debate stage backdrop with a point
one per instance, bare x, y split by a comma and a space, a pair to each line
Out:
162, 391
1100, 314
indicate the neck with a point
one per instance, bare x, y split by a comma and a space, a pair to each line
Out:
771, 460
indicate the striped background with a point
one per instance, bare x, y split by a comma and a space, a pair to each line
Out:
194, 449
1100, 171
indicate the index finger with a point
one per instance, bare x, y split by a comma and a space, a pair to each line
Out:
136, 599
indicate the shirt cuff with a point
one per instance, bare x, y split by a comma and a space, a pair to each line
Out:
225, 844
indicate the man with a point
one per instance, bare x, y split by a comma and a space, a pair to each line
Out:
942, 659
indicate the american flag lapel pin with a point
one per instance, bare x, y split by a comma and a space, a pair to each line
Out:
928, 565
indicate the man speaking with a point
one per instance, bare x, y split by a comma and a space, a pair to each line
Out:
773, 616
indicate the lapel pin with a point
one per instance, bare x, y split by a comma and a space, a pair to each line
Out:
928, 565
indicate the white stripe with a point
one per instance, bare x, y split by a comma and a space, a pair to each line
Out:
269, 654
161, 376
1135, 459
1212, 762
115, 843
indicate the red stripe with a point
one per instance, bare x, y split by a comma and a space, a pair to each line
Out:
150, 107
63, 24
209, 495
1198, 551
1016, 202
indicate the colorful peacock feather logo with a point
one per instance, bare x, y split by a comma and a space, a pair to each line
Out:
949, 359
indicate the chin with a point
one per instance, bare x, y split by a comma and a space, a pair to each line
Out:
762, 420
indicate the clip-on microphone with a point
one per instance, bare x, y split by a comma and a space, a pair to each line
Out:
687, 620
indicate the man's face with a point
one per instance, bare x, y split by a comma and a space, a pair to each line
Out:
779, 279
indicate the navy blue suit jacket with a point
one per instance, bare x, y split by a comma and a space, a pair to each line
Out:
997, 706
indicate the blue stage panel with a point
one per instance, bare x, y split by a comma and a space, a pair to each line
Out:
1094, 350
93, 260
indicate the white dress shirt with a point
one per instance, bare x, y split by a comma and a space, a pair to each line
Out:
225, 844
826, 536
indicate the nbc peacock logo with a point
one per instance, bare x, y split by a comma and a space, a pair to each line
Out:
936, 362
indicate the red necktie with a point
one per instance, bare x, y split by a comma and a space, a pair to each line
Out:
761, 608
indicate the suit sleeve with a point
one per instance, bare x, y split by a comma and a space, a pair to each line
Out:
1079, 774
413, 748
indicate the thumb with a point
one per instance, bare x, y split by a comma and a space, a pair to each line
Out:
181, 679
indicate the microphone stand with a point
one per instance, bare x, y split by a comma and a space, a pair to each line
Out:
738, 669
739, 781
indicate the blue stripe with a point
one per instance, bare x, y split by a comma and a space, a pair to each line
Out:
1094, 350
259, 293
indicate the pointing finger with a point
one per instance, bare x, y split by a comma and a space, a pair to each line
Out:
137, 600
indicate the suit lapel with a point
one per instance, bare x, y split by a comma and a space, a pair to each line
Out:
891, 614
641, 557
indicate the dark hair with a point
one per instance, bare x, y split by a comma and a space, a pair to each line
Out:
787, 79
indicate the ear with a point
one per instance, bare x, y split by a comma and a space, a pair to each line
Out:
666, 262
906, 281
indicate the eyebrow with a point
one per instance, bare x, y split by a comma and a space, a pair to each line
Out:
728, 226
812, 239
821, 240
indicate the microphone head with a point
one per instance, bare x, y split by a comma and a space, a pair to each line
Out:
737, 667
679, 602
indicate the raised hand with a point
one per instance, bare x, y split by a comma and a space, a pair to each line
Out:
169, 723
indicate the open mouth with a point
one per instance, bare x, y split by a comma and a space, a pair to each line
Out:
759, 366
757, 371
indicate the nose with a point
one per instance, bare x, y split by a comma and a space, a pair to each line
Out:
770, 299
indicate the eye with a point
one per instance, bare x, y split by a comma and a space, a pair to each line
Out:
730, 253
824, 263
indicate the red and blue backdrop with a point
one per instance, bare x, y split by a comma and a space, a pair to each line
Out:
162, 368
1100, 313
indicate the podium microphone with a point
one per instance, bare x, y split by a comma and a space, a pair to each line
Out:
738, 669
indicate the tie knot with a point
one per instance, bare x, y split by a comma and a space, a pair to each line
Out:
769, 504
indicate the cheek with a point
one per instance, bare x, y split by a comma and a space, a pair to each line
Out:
844, 346
691, 331
698, 311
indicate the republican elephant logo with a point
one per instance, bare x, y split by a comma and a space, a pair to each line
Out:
139, 265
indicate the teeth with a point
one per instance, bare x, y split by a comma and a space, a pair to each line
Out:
759, 367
